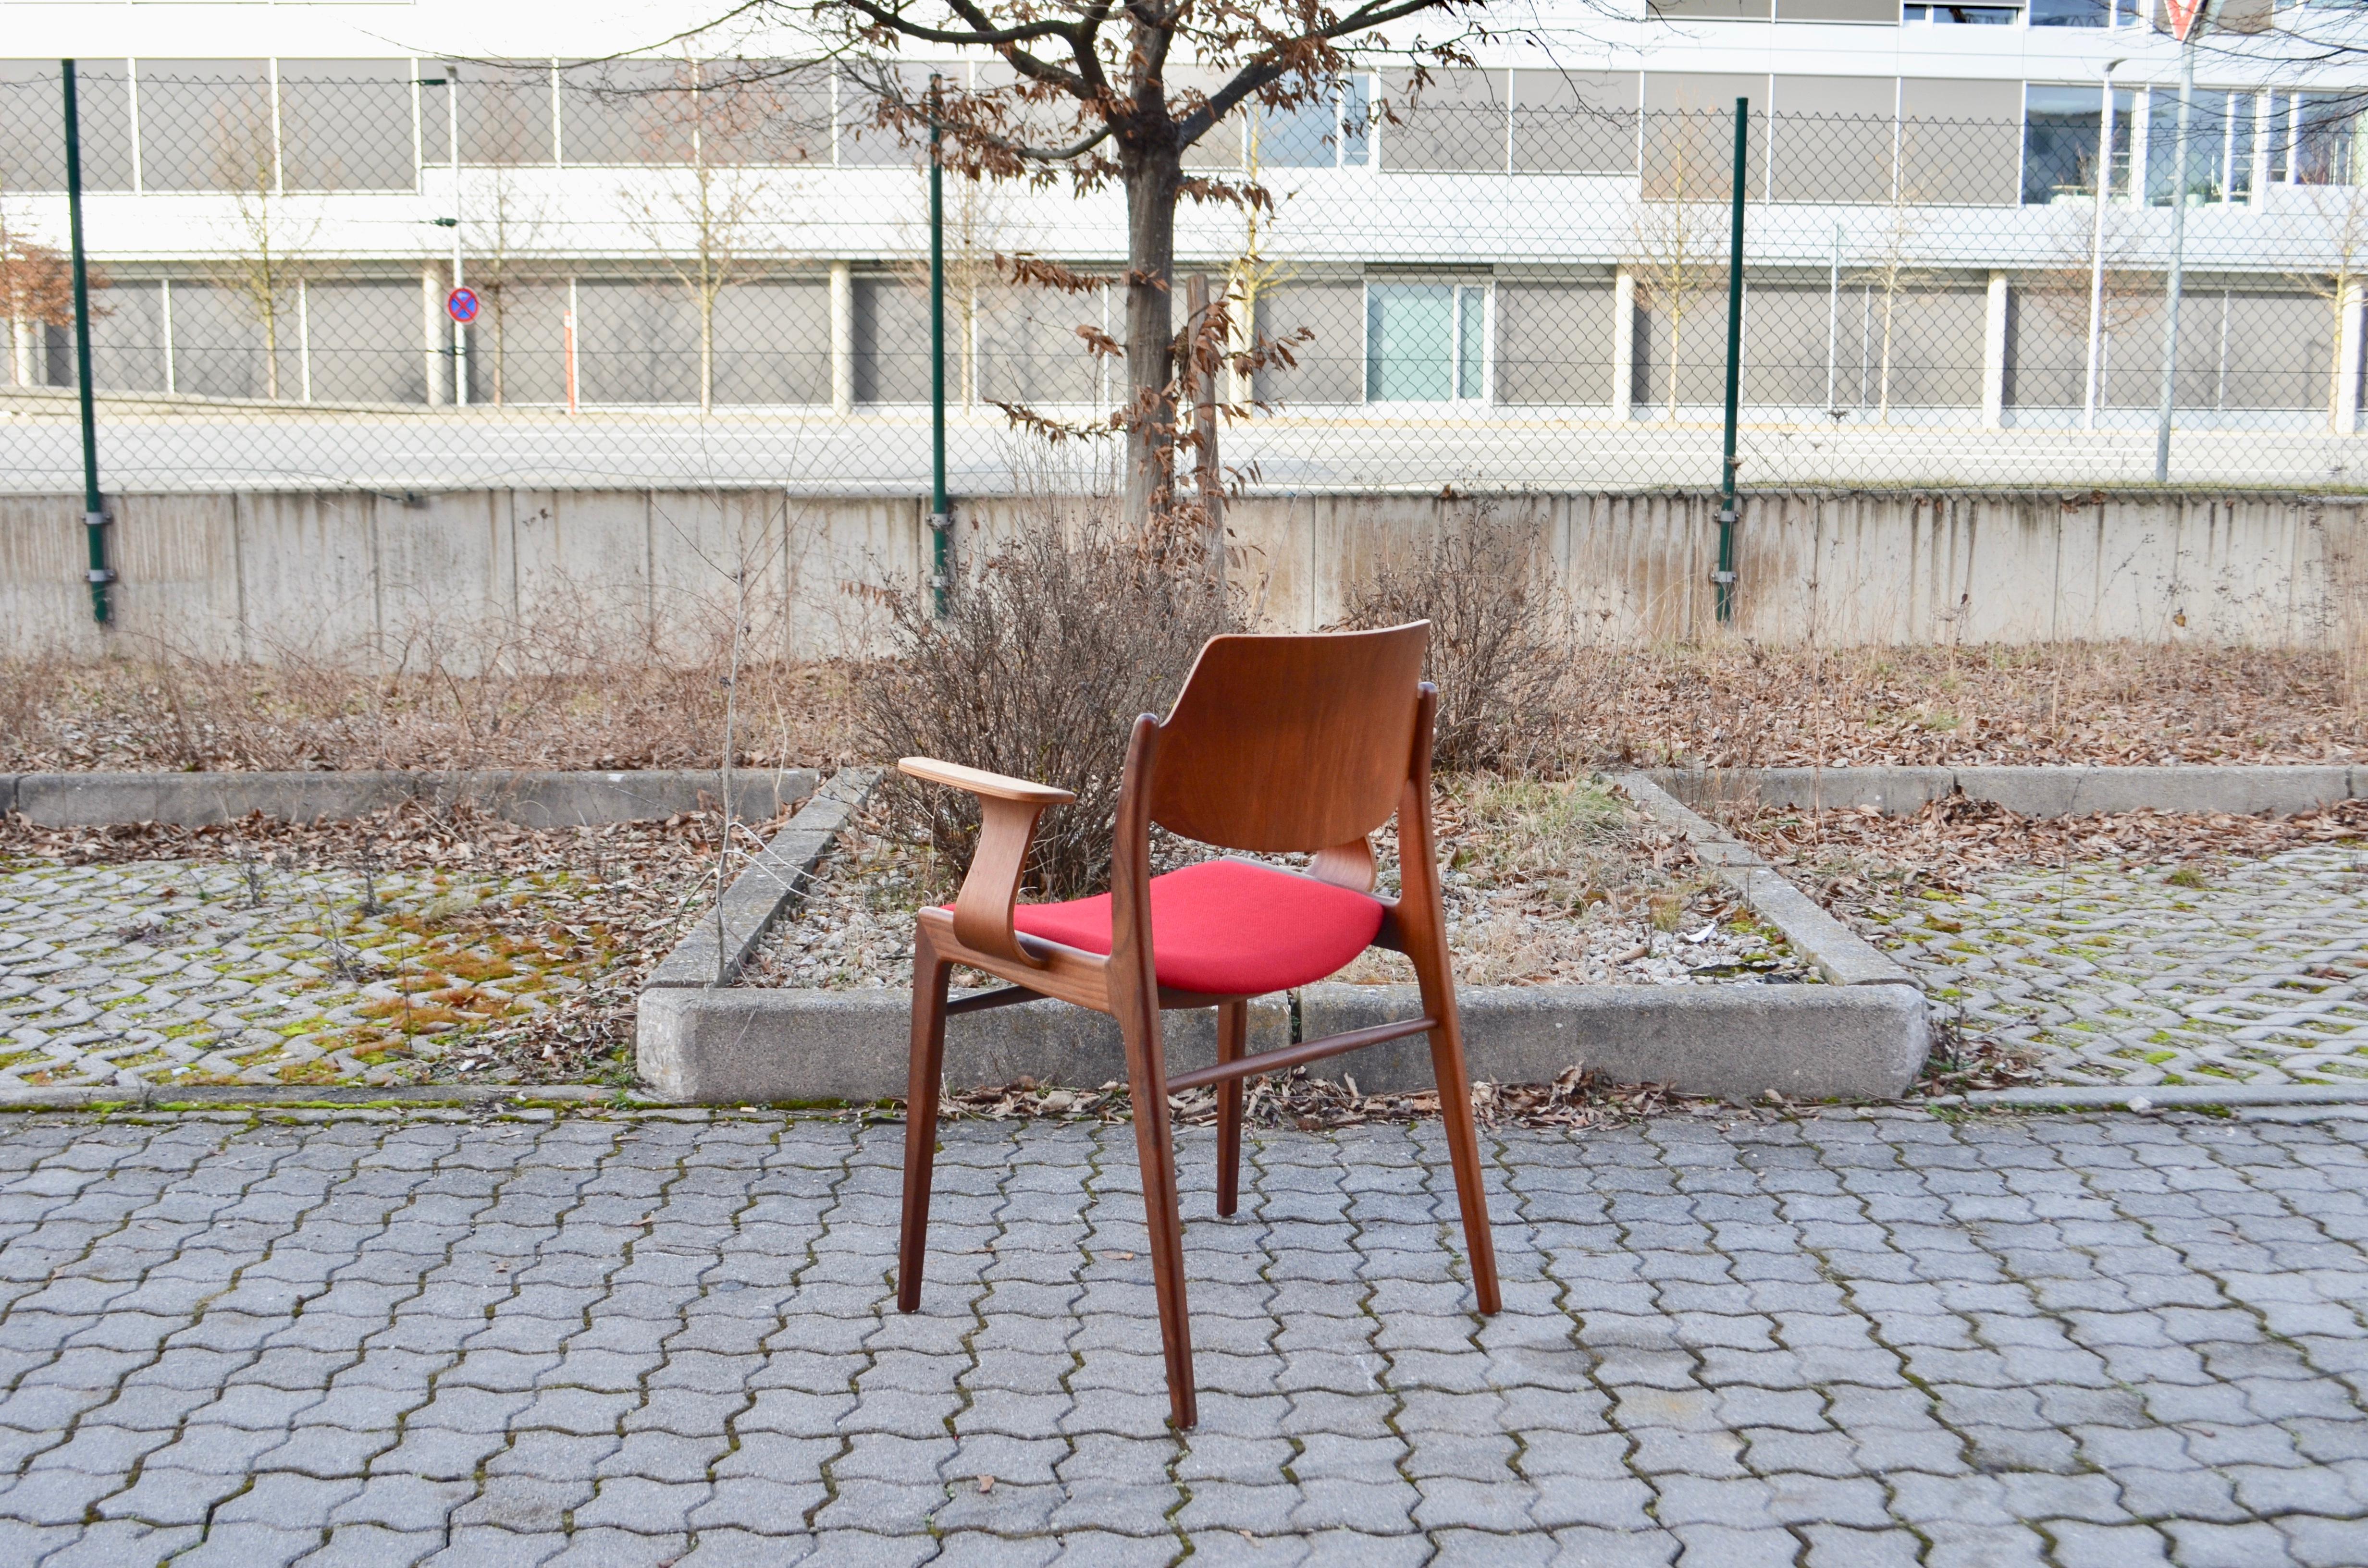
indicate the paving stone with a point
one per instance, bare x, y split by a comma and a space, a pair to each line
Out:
2080, 1545
1588, 1547
250, 1544
1833, 1547
375, 1546
120, 1543
485, 1546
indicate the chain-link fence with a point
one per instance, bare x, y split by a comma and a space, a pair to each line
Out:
714, 274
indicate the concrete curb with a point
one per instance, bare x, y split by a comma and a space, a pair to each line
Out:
2164, 1095
214, 1096
717, 1046
1810, 1042
544, 799
1839, 954
713, 949
2242, 789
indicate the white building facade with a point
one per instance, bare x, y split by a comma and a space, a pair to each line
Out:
282, 197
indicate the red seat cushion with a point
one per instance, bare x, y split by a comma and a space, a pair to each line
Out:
1227, 928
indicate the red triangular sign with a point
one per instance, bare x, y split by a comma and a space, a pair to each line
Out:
2183, 14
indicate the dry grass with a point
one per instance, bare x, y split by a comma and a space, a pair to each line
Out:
172, 713
1716, 706
1742, 706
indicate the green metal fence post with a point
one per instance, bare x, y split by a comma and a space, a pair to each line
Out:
1724, 576
941, 521
94, 512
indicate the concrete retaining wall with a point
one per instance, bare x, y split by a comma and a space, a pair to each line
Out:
395, 580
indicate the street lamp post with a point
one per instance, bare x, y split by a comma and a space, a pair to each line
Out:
2097, 255
2200, 19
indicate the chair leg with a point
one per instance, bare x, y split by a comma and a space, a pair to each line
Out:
928, 1073
1233, 1040
1156, 1151
1454, 1080
1464, 1152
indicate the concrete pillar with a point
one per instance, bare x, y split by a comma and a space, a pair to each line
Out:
1994, 356
21, 354
842, 337
437, 366
1624, 344
2346, 392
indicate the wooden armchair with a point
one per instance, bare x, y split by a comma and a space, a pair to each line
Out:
1276, 744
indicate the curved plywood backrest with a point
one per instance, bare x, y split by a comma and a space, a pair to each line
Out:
1282, 744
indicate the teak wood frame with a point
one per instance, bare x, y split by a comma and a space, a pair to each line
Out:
1346, 742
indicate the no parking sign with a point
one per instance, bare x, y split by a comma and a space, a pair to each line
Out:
461, 304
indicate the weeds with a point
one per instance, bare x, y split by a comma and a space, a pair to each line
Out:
1495, 644
1048, 650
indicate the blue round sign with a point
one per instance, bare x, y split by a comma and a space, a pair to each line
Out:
461, 304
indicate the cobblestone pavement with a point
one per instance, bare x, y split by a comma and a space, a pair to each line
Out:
2123, 976
189, 972
1853, 1341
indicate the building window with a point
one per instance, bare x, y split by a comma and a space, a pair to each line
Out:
2313, 138
1963, 16
1426, 342
2220, 133
2060, 129
2086, 13
1334, 134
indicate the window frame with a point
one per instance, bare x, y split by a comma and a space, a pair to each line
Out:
1463, 327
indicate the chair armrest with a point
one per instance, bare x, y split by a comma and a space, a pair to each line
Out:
980, 783
1007, 809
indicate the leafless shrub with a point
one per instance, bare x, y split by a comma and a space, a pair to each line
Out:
1496, 651
1048, 649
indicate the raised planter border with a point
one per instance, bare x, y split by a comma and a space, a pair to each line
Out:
698, 1038
539, 799
2244, 789
713, 952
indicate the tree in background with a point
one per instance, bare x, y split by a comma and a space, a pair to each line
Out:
977, 235
269, 236
1894, 271
507, 219
2341, 212
715, 215
1092, 99
1678, 251
37, 291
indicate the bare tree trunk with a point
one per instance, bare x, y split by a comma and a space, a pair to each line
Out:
1152, 176
1677, 338
1883, 413
706, 350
